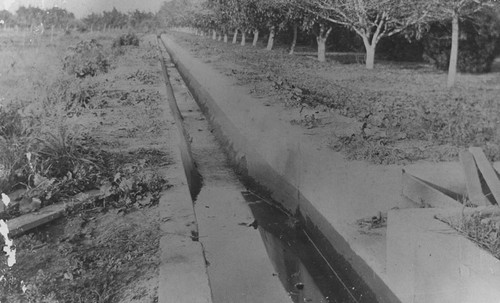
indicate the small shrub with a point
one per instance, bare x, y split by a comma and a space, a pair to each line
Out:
477, 45
126, 39
87, 58
72, 96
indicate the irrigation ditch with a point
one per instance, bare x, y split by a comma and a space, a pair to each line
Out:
255, 250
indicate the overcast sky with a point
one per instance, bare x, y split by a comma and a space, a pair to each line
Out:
83, 7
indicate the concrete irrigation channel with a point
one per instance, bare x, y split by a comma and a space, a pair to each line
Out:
254, 251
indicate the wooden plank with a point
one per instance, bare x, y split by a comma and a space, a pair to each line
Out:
489, 175
24, 223
472, 181
424, 194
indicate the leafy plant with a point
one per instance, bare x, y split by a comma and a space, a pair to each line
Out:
87, 58
64, 161
126, 39
136, 191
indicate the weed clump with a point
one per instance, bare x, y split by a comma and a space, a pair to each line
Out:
15, 132
483, 230
87, 58
126, 39
72, 96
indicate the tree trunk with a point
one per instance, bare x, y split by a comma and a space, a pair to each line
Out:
219, 38
270, 41
243, 38
370, 52
214, 34
52, 34
370, 57
294, 41
321, 49
225, 37
255, 37
235, 36
452, 69
321, 39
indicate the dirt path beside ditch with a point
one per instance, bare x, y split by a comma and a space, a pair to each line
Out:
99, 252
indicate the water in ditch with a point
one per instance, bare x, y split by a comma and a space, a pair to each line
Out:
254, 251
305, 275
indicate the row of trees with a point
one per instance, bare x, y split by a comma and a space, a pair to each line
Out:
115, 19
58, 18
28, 17
371, 20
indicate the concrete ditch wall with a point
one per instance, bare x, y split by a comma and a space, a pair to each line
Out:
329, 192
430, 262
183, 277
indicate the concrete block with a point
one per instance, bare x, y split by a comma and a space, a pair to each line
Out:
424, 193
448, 175
428, 261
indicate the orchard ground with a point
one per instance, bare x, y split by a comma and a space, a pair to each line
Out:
109, 135
106, 249
397, 113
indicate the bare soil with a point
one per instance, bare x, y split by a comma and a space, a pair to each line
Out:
397, 113
106, 248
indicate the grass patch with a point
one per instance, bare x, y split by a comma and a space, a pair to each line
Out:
484, 230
